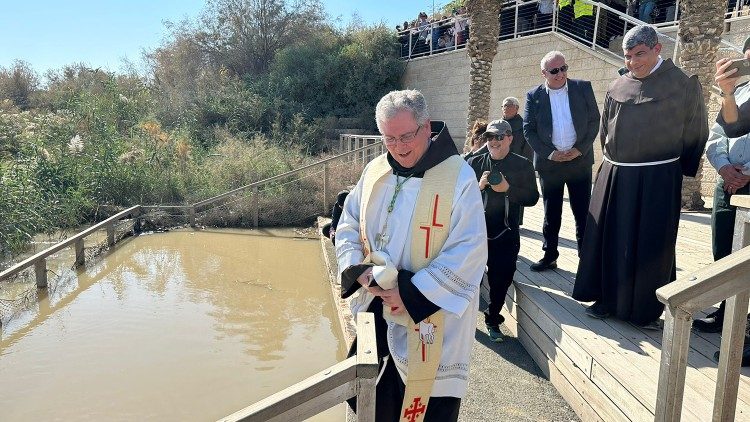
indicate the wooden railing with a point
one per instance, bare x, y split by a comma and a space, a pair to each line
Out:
727, 278
39, 260
356, 376
355, 148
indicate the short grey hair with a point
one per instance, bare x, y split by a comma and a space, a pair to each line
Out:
395, 102
641, 34
549, 56
512, 100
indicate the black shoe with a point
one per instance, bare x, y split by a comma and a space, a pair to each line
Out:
745, 355
597, 310
651, 326
712, 323
493, 320
544, 264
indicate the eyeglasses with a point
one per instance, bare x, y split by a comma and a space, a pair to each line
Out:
508, 105
556, 70
405, 138
492, 137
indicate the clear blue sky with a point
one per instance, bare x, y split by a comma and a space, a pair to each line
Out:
52, 33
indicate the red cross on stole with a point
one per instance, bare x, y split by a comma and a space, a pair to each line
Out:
433, 225
415, 410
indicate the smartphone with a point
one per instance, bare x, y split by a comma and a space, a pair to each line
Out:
742, 66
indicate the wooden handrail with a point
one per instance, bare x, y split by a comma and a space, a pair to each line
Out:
15, 269
355, 376
281, 176
725, 279
697, 291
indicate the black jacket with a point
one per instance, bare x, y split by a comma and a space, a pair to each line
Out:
522, 192
537, 124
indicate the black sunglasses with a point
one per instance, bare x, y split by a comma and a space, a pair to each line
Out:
556, 70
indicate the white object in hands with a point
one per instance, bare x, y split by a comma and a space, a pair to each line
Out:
384, 272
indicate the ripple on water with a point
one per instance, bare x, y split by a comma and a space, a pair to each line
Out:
175, 326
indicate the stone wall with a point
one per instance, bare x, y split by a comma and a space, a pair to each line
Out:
443, 79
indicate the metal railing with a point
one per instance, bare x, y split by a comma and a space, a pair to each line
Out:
356, 376
726, 278
521, 19
324, 178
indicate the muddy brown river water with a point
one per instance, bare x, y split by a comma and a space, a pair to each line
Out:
183, 326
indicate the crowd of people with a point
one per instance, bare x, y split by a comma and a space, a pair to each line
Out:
423, 224
425, 35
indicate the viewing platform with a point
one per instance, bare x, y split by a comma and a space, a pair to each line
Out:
609, 369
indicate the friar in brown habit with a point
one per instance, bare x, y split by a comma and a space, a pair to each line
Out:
654, 128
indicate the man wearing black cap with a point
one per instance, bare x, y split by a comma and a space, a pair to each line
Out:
507, 183
726, 153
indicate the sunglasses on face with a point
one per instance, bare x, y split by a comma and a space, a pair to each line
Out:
556, 70
492, 137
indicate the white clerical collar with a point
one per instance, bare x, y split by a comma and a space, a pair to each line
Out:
657, 65
563, 88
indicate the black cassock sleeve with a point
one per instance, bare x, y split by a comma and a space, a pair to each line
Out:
695, 134
417, 305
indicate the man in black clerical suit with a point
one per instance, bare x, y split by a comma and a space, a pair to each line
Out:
560, 123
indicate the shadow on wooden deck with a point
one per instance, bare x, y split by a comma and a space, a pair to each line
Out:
608, 369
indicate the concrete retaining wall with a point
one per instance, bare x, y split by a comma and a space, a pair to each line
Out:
444, 80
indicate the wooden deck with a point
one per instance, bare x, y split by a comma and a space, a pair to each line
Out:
608, 369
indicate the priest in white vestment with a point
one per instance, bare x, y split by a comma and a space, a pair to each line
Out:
412, 246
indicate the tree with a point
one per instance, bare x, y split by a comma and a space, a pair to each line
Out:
245, 35
18, 83
482, 47
699, 34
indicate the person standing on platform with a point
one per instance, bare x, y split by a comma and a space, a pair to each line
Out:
511, 106
654, 128
508, 183
730, 156
412, 246
560, 123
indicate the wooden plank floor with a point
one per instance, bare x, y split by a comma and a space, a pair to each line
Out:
608, 369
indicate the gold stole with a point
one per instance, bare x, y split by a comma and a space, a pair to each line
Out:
430, 225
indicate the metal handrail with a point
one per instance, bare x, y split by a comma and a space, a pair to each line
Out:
514, 4
224, 195
356, 376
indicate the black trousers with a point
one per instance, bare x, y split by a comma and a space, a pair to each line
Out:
722, 220
722, 225
502, 254
578, 180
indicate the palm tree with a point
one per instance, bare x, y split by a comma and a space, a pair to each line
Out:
699, 35
484, 30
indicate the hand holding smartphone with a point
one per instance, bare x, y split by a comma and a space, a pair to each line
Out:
742, 66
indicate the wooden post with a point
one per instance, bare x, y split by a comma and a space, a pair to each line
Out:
256, 205
732, 334
674, 356
367, 366
80, 254
325, 188
40, 268
191, 216
110, 234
